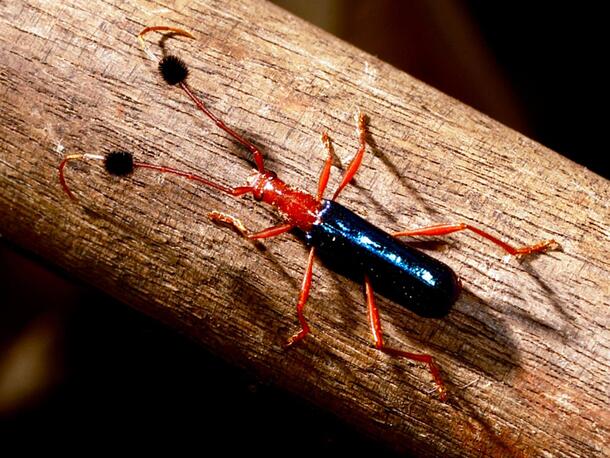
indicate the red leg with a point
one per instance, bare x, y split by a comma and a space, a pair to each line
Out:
323, 181
303, 295
444, 229
357, 160
239, 227
375, 323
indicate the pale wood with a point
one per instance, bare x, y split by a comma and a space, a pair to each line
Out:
524, 351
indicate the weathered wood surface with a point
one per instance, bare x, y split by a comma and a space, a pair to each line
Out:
525, 351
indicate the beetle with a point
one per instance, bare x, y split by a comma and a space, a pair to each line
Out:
345, 241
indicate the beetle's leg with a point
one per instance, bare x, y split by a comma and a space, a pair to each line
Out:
303, 295
272, 232
444, 229
357, 160
323, 181
239, 227
373, 314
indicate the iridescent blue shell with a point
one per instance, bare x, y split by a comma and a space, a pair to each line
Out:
354, 247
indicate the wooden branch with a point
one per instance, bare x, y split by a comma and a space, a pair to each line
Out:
524, 351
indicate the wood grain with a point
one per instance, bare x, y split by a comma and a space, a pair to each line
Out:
525, 351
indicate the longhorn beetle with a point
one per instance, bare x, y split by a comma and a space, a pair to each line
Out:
344, 240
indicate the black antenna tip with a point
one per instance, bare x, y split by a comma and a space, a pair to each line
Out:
119, 163
173, 70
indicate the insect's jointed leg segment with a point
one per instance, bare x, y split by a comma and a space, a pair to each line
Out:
323, 181
303, 295
236, 224
444, 229
375, 322
357, 160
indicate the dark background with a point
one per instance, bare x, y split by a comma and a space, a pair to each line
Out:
74, 363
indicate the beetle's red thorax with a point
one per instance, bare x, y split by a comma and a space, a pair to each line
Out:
297, 207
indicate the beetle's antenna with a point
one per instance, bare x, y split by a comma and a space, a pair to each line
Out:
175, 72
121, 163
160, 28
74, 157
